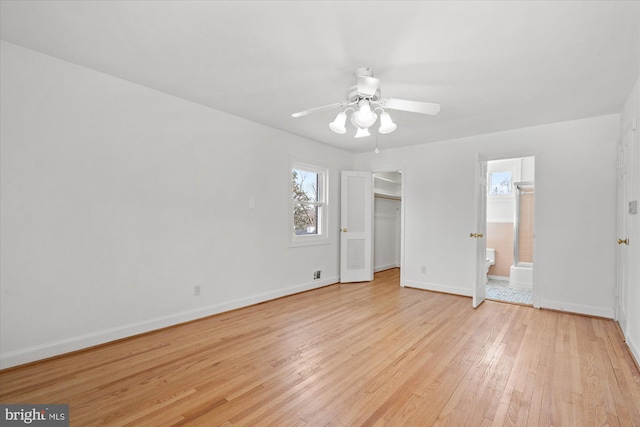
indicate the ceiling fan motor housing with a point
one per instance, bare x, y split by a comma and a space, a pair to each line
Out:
365, 71
354, 96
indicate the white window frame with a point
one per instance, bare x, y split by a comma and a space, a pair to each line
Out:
322, 237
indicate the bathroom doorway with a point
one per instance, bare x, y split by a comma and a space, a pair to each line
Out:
510, 233
387, 220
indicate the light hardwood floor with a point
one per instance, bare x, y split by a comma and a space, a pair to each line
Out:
349, 355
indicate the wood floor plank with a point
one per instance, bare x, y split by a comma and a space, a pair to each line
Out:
371, 354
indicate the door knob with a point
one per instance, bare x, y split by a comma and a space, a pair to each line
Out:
625, 241
473, 235
344, 230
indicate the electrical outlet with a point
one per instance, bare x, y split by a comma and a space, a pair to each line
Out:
196, 290
316, 274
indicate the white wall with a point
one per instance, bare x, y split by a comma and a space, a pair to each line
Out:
631, 112
575, 174
117, 200
528, 169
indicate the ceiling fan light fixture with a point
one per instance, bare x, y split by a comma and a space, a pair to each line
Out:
362, 132
364, 117
386, 124
338, 125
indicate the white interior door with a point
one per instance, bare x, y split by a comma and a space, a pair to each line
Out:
480, 290
625, 156
356, 229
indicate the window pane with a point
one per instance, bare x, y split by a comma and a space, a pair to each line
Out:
500, 183
305, 219
305, 185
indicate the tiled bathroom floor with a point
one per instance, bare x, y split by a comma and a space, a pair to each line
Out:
499, 290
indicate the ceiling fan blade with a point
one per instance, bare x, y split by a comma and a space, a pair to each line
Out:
367, 86
325, 107
412, 106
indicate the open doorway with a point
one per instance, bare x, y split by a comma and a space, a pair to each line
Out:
387, 222
510, 233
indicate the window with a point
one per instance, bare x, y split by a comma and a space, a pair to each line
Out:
500, 178
500, 183
308, 211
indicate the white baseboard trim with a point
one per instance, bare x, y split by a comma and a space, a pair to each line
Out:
385, 267
576, 308
439, 288
634, 349
55, 348
491, 276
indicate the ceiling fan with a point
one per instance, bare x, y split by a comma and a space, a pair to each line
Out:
364, 101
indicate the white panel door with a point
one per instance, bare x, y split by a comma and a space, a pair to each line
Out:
625, 174
356, 230
480, 289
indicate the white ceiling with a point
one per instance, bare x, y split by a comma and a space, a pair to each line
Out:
491, 65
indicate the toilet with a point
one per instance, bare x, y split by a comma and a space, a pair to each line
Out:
490, 260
